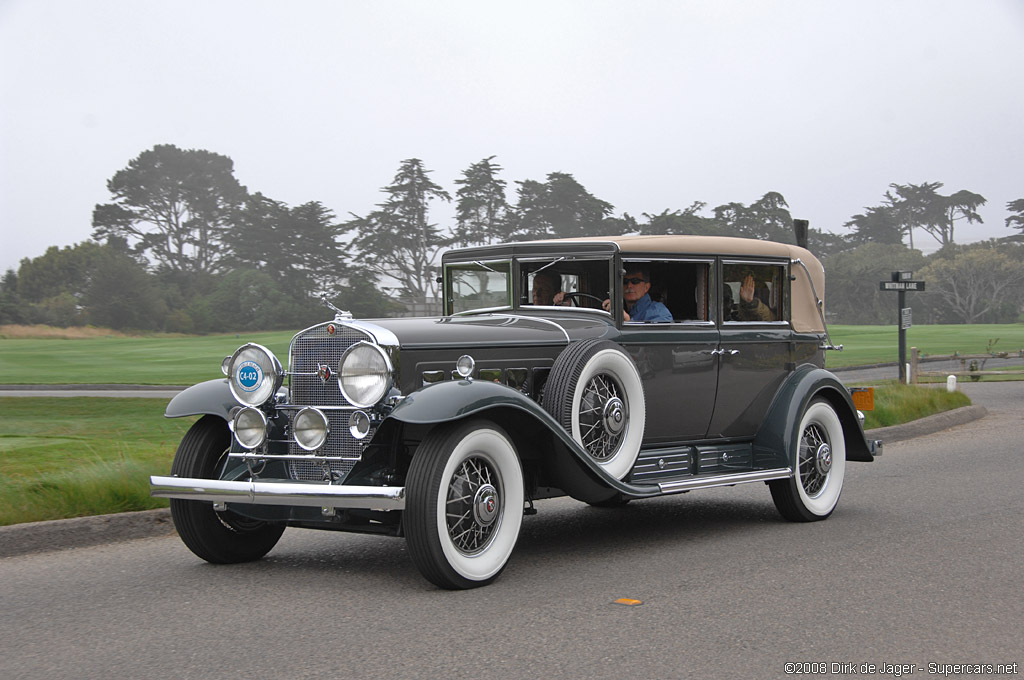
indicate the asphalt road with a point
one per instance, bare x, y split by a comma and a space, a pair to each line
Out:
921, 563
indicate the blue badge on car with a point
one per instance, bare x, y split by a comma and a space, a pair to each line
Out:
249, 376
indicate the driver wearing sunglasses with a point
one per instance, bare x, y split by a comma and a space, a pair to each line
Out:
639, 305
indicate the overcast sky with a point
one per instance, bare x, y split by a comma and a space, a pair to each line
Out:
650, 105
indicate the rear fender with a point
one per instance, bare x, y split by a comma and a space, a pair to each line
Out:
773, 446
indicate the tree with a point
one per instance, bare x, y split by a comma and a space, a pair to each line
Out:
851, 289
962, 205
298, 246
482, 210
916, 206
172, 205
1016, 221
122, 294
972, 282
561, 208
10, 303
686, 221
876, 225
767, 218
397, 240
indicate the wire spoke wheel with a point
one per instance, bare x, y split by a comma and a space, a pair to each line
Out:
819, 463
602, 416
595, 392
464, 504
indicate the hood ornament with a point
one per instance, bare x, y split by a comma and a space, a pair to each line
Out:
338, 313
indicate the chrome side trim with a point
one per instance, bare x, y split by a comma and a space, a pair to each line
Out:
279, 493
518, 317
681, 485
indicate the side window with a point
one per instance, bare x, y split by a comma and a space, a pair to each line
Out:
753, 292
676, 289
581, 283
479, 285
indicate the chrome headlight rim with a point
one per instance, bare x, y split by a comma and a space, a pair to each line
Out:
249, 427
254, 374
313, 435
387, 374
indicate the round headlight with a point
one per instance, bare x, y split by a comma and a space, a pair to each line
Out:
364, 374
250, 427
254, 374
310, 428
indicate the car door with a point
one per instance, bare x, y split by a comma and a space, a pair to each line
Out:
676, 359
755, 352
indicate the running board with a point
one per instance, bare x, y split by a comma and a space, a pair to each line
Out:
681, 485
279, 493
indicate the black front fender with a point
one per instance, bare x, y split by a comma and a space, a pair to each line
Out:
448, 401
773, 446
206, 398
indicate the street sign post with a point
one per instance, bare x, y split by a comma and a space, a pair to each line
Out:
901, 282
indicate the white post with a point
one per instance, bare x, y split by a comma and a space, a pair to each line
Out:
951, 383
906, 373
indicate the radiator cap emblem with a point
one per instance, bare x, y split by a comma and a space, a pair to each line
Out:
324, 371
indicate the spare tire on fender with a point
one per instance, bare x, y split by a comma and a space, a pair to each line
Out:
594, 391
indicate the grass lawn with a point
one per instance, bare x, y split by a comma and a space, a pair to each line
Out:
71, 457
880, 344
185, 360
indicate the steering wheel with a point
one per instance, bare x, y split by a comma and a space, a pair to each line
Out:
575, 298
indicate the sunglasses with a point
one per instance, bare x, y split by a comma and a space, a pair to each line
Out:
634, 280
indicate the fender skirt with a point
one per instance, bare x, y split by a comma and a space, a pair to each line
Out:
206, 398
581, 476
773, 445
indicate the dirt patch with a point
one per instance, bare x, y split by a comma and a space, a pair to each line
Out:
15, 331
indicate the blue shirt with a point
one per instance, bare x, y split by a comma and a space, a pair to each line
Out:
647, 309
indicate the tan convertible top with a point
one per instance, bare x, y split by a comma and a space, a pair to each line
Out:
806, 317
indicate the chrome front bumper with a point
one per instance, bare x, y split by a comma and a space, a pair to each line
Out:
279, 493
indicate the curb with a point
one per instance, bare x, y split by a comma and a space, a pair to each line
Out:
928, 424
79, 532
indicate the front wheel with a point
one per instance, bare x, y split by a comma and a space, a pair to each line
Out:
464, 504
222, 537
820, 465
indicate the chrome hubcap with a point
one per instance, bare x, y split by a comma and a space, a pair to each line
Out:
485, 505
823, 459
614, 416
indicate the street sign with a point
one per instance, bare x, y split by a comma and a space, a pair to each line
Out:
902, 276
901, 285
905, 317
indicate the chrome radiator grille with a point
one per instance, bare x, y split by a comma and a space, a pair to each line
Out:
313, 347
310, 349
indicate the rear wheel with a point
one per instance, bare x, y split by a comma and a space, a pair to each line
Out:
820, 460
464, 504
222, 537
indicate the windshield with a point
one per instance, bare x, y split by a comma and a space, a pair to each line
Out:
478, 285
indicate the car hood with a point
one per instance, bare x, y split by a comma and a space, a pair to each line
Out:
491, 330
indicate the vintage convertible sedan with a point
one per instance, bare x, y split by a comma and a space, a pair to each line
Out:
606, 369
